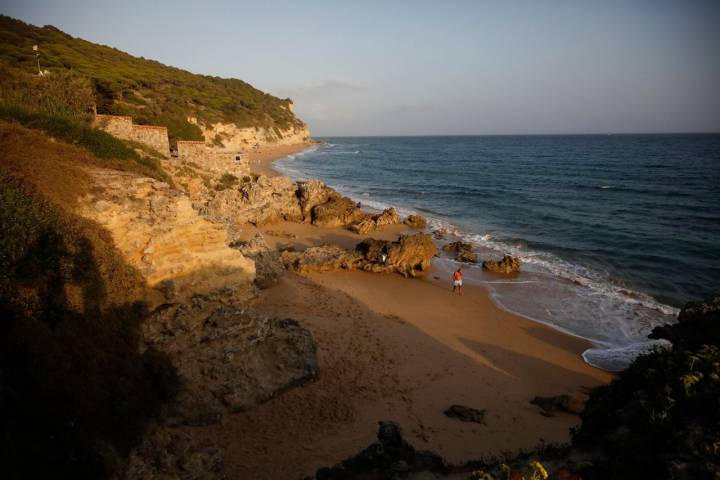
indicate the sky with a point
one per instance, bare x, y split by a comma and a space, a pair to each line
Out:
434, 67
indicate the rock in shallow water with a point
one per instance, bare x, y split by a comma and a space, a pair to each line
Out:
507, 265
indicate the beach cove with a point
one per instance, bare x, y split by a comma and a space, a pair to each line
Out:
393, 348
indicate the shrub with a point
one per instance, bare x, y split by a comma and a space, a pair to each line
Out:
226, 181
664, 409
101, 144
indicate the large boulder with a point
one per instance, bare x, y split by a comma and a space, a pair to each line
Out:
311, 193
410, 255
368, 224
337, 211
417, 222
228, 359
507, 265
698, 324
268, 265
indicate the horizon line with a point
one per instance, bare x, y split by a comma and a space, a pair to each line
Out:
516, 134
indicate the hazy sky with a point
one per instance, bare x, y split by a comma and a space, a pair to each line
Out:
436, 67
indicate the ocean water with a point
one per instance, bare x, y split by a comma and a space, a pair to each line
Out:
615, 232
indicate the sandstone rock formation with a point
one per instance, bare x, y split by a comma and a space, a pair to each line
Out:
259, 202
417, 222
268, 266
159, 233
337, 211
698, 323
507, 265
311, 193
227, 359
410, 255
323, 258
368, 224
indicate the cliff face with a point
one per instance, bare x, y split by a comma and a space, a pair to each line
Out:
231, 137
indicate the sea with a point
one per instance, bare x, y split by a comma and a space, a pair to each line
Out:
615, 232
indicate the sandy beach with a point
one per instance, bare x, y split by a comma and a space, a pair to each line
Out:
392, 348
261, 159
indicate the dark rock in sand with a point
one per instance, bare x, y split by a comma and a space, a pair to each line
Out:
417, 222
507, 265
229, 360
466, 414
388, 458
563, 403
698, 324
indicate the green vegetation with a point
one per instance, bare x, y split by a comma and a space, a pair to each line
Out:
76, 394
151, 92
59, 105
226, 181
660, 414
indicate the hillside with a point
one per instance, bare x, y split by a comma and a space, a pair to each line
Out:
152, 93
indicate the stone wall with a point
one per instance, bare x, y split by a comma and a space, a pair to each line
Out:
153, 136
213, 160
122, 127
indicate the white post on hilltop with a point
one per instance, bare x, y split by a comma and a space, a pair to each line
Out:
37, 57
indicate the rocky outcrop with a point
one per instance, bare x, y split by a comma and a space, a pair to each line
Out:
369, 224
337, 211
388, 458
268, 265
507, 265
159, 233
417, 222
323, 258
311, 193
171, 454
231, 137
259, 202
227, 359
698, 324
410, 255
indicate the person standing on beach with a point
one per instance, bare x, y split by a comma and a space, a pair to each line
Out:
457, 281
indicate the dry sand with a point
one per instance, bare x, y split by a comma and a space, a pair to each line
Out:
392, 348
261, 159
